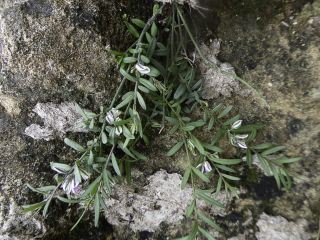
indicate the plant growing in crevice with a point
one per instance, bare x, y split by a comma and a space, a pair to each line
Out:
160, 89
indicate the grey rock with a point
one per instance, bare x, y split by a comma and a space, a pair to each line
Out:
18, 225
279, 228
218, 78
52, 54
58, 119
161, 202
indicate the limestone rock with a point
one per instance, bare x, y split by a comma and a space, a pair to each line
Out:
58, 119
279, 228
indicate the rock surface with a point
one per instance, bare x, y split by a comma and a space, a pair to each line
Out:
161, 201
275, 47
58, 119
279, 228
51, 52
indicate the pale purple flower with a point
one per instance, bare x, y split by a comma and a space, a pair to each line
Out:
205, 167
142, 69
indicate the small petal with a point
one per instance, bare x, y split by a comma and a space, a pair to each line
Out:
236, 124
109, 118
242, 136
206, 167
242, 144
118, 130
142, 69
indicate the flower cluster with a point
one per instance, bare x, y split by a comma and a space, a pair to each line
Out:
238, 140
113, 116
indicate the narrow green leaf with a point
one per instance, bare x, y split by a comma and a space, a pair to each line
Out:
213, 148
106, 180
104, 138
209, 199
200, 175
263, 146
74, 145
206, 234
127, 75
190, 208
92, 188
81, 111
148, 84
225, 112
143, 89
33, 207
265, 165
132, 30
208, 221
219, 184
96, 210
174, 149
141, 101
126, 150
46, 206
231, 120
272, 150
91, 158
115, 165
154, 30
145, 59
224, 161
225, 168
287, 160
153, 72
233, 178
76, 172
41, 190
185, 178
211, 122
129, 60
60, 167
180, 91
138, 22
198, 145
198, 123
188, 128
91, 125
140, 156
125, 102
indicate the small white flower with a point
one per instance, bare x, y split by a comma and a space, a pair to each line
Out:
242, 144
241, 136
118, 130
142, 69
205, 167
113, 115
69, 184
239, 141
236, 124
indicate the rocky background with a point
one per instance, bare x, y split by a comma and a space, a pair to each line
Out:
54, 53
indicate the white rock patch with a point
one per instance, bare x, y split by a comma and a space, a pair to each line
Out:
279, 228
58, 119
